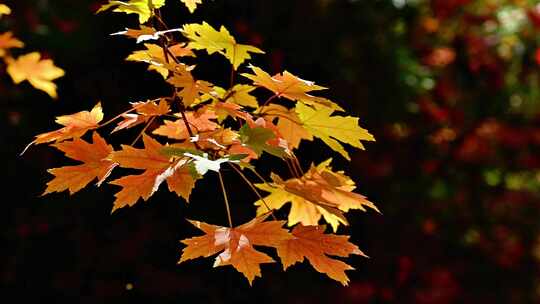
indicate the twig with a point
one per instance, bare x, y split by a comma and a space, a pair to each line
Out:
226, 199
250, 184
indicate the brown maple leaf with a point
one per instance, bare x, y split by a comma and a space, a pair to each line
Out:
236, 244
95, 165
311, 243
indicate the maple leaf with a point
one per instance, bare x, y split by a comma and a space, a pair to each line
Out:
259, 139
226, 109
191, 89
203, 164
205, 37
235, 245
199, 121
154, 56
4, 10
75, 125
311, 243
191, 4
320, 192
239, 94
145, 111
331, 129
95, 165
158, 169
291, 87
39, 73
289, 124
7, 41
144, 33
143, 8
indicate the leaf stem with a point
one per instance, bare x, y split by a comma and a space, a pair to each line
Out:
225, 197
270, 99
250, 184
297, 163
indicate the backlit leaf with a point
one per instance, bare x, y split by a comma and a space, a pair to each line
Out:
320, 192
75, 125
39, 73
95, 165
331, 129
143, 8
205, 37
235, 245
191, 4
158, 169
311, 243
7, 41
291, 87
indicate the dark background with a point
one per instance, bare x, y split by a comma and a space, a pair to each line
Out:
455, 169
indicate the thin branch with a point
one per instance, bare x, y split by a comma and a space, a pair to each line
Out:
297, 162
143, 130
188, 127
225, 197
250, 184
270, 99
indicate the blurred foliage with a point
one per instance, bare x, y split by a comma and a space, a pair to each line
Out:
450, 89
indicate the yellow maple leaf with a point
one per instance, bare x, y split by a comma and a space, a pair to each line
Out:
191, 4
7, 41
320, 193
239, 95
95, 165
154, 56
291, 87
205, 37
333, 129
143, 8
4, 10
311, 243
39, 73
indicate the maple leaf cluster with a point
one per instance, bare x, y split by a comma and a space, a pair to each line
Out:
201, 127
39, 72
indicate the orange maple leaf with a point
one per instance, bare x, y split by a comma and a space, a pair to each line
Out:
291, 87
189, 89
289, 124
75, 126
95, 165
7, 41
311, 243
200, 121
236, 244
145, 111
158, 168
